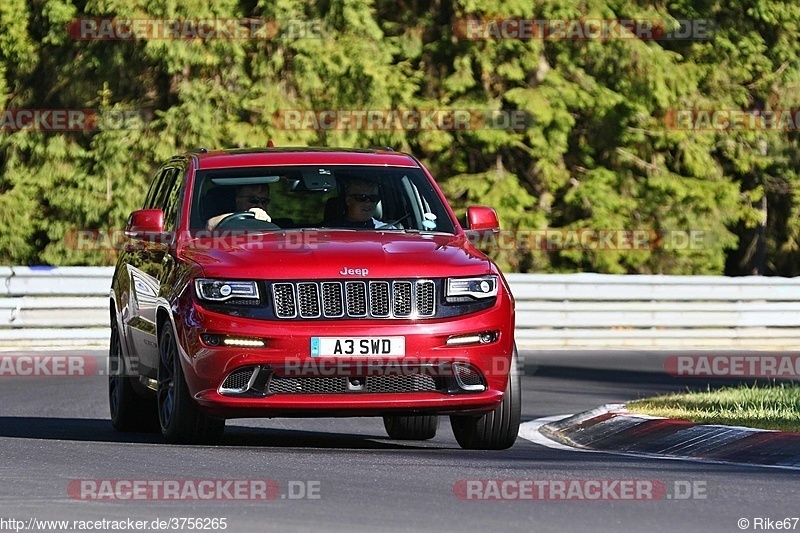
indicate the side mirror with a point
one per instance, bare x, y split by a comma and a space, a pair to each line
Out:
145, 222
480, 218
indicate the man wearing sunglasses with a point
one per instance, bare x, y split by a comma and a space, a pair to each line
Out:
253, 198
361, 201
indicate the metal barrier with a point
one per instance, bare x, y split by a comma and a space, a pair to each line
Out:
45, 306
606, 311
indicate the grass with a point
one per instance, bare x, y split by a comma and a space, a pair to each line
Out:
772, 406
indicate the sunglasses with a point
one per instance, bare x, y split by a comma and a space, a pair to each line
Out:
365, 197
255, 200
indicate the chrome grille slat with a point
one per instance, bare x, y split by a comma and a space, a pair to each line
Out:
308, 300
355, 299
401, 293
332, 301
379, 298
283, 297
426, 298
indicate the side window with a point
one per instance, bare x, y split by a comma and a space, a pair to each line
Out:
152, 192
159, 188
175, 179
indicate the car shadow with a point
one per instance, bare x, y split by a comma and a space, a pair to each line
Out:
100, 430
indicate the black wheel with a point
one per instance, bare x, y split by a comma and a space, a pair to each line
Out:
129, 411
420, 427
180, 418
495, 430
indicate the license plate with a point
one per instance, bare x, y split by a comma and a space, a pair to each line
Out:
357, 346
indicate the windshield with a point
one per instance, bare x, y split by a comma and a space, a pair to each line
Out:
314, 196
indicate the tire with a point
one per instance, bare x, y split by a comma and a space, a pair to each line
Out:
180, 419
498, 429
420, 427
128, 410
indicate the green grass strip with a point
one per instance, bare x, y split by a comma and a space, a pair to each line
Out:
775, 406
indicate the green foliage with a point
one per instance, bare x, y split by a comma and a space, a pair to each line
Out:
597, 152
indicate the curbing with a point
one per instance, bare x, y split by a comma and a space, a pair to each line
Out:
612, 428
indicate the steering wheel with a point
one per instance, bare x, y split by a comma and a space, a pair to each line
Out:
386, 225
236, 217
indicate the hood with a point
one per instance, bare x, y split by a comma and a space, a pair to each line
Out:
326, 254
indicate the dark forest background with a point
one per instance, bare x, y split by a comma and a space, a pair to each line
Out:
598, 153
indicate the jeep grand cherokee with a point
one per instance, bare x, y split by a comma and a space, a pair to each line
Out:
220, 311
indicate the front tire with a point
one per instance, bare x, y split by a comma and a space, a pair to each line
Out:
498, 429
420, 427
180, 418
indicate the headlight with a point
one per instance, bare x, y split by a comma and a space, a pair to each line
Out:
466, 289
217, 290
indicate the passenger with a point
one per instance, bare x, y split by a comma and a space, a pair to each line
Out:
361, 201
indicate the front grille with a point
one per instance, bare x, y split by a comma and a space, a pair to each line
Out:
355, 299
338, 385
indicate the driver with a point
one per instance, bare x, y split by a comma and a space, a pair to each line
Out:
253, 198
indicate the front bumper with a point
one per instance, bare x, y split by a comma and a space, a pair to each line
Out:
287, 355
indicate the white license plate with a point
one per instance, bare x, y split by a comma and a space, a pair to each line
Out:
357, 346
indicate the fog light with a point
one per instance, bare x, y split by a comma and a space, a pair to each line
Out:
488, 336
211, 340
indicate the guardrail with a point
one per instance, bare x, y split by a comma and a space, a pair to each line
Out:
606, 311
69, 306
46, 306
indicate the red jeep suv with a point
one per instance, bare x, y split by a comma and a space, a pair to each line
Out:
309, 282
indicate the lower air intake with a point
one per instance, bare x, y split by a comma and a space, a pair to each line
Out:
468, 378
238, 381
338, 385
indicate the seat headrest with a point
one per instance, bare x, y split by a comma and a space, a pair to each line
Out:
218, 200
